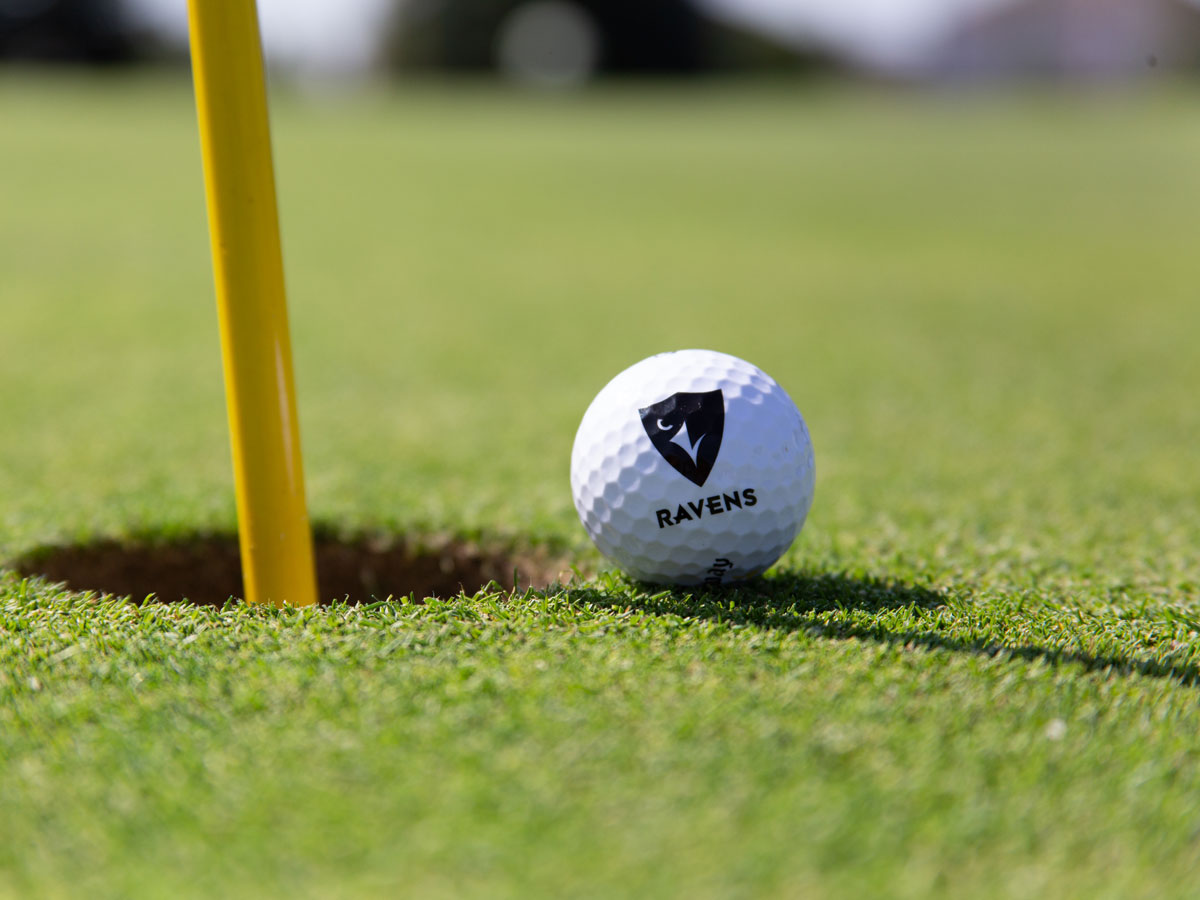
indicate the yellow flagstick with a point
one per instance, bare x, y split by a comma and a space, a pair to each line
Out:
231, 100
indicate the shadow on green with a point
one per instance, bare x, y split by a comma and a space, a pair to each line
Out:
838, 607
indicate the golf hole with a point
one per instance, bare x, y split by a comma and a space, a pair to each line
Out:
208, 569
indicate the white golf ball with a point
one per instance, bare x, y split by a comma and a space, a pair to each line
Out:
691, 468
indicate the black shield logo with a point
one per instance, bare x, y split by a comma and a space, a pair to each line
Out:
686, 430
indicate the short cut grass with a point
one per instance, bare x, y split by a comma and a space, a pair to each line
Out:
975, 674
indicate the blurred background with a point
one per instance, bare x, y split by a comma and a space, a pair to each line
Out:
564, 43
960, 232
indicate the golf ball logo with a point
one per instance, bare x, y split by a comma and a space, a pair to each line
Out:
686, 430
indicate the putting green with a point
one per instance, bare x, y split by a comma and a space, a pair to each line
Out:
974, 674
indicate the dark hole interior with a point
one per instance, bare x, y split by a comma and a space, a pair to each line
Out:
208, 569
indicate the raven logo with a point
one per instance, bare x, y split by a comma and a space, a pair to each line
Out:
686, 430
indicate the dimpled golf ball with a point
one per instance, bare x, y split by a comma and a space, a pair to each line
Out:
692, 468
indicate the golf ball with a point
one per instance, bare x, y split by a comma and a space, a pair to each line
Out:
692, 467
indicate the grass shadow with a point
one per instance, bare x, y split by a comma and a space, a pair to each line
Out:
787, 600
797, 601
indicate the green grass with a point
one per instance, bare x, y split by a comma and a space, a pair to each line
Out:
975, 674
